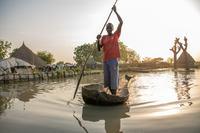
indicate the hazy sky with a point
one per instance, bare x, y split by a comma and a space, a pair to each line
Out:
150, 26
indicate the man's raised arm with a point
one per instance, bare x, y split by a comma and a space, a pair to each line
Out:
119, 18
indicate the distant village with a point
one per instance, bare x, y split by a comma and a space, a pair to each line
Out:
25, 65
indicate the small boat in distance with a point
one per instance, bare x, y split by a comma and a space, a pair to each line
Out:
94, 94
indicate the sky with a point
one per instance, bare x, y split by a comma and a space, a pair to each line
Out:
58, 26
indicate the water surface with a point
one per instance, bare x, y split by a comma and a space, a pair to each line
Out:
163, 101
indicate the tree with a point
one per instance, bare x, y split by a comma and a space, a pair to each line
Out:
82, 52
170, 60
46, 56
128, 55
133, 57
123, 52
13, 51
175, 49
147, 59
60, 63
97, 55
157, 60
4, 46
153, 60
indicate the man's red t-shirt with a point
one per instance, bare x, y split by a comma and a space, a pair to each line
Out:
111, 46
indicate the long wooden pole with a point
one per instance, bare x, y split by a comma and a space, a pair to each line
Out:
108, 18
83, 68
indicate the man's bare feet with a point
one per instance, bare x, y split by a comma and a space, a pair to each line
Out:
106, 90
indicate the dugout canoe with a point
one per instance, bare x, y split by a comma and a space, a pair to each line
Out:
92, 94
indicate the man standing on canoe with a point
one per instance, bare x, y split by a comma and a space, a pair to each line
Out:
111, 54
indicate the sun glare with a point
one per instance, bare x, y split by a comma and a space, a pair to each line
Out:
159, 88
172, 111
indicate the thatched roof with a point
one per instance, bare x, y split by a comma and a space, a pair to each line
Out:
27, 55
185, 60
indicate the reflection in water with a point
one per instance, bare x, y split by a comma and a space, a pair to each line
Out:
183, 86
111, 115
165, 88
155, 100
22, 92
79, 122
5, 103
162, 87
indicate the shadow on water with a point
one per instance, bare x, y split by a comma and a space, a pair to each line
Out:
112, 120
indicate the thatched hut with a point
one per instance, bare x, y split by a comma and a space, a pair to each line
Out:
14, 68
27, 55
185, 60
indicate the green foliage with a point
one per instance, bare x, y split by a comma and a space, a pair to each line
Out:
123, 52
13, 51
97, 55
133, 57
60, 62
128, 55
4, 46
146, 59
170, 60
158, 60
82, 52
152, 60
46, 56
